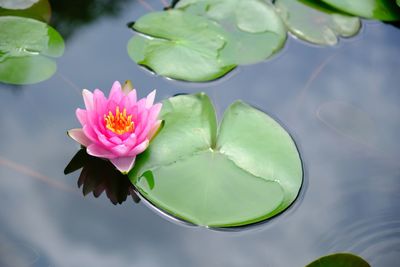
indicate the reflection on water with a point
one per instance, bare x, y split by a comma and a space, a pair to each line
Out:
68, 18
351, 203
99, 175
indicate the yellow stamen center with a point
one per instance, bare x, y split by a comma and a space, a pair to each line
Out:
119, 123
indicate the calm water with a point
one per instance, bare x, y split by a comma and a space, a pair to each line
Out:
341, 104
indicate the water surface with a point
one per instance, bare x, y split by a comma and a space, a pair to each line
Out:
341, 104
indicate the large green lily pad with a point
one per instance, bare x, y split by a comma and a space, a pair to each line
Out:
179, 45
372, 9
316, 23
39, 10
243, 172
26, 46
255, 29
339, 260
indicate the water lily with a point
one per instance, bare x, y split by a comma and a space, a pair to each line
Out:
119, 127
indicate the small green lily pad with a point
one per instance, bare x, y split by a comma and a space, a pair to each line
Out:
316, 23
246, 171
256, 31
26, 46
339, 260
179, 45
372, 9
39, 10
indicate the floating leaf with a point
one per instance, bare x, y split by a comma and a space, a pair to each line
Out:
372, 9
25, 45
316, 23
181, 46
339, 260
248, 172
39, 10
255, 30
17, 4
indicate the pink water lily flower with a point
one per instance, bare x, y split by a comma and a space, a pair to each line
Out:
118, 127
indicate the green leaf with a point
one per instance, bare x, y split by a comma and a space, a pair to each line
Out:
248, 172
256, 32
26, 70
316, 23
40, 10
25, 45
373, 9
339, 260
180, 46
17, 4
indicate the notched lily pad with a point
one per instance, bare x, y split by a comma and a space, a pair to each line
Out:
26, 46
246, 171
316, 23
255, 30
373, 9
339, 260
180, 46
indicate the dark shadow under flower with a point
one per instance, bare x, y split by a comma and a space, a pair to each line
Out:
99, 175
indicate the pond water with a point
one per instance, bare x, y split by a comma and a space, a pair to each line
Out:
341, 105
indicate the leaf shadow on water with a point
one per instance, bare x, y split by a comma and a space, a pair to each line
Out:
99, 175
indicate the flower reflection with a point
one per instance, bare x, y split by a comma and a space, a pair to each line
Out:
99, 175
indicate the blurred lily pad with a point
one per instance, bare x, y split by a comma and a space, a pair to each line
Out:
26, 48
316, 23
373, 9
247, 172
17, 4
339, 260
179, 45
255, 29
39, 10
98, 176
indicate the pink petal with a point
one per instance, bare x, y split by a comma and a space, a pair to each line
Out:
154, 111
150, 99
99, 102
116, 140
116, 93
139, 148
88, 99
154, 130
97, 151
79, 136
81, 115
120, 150
104, 140
123, 164
141, 105
131, 140
132, 96
143, 135
89, 132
